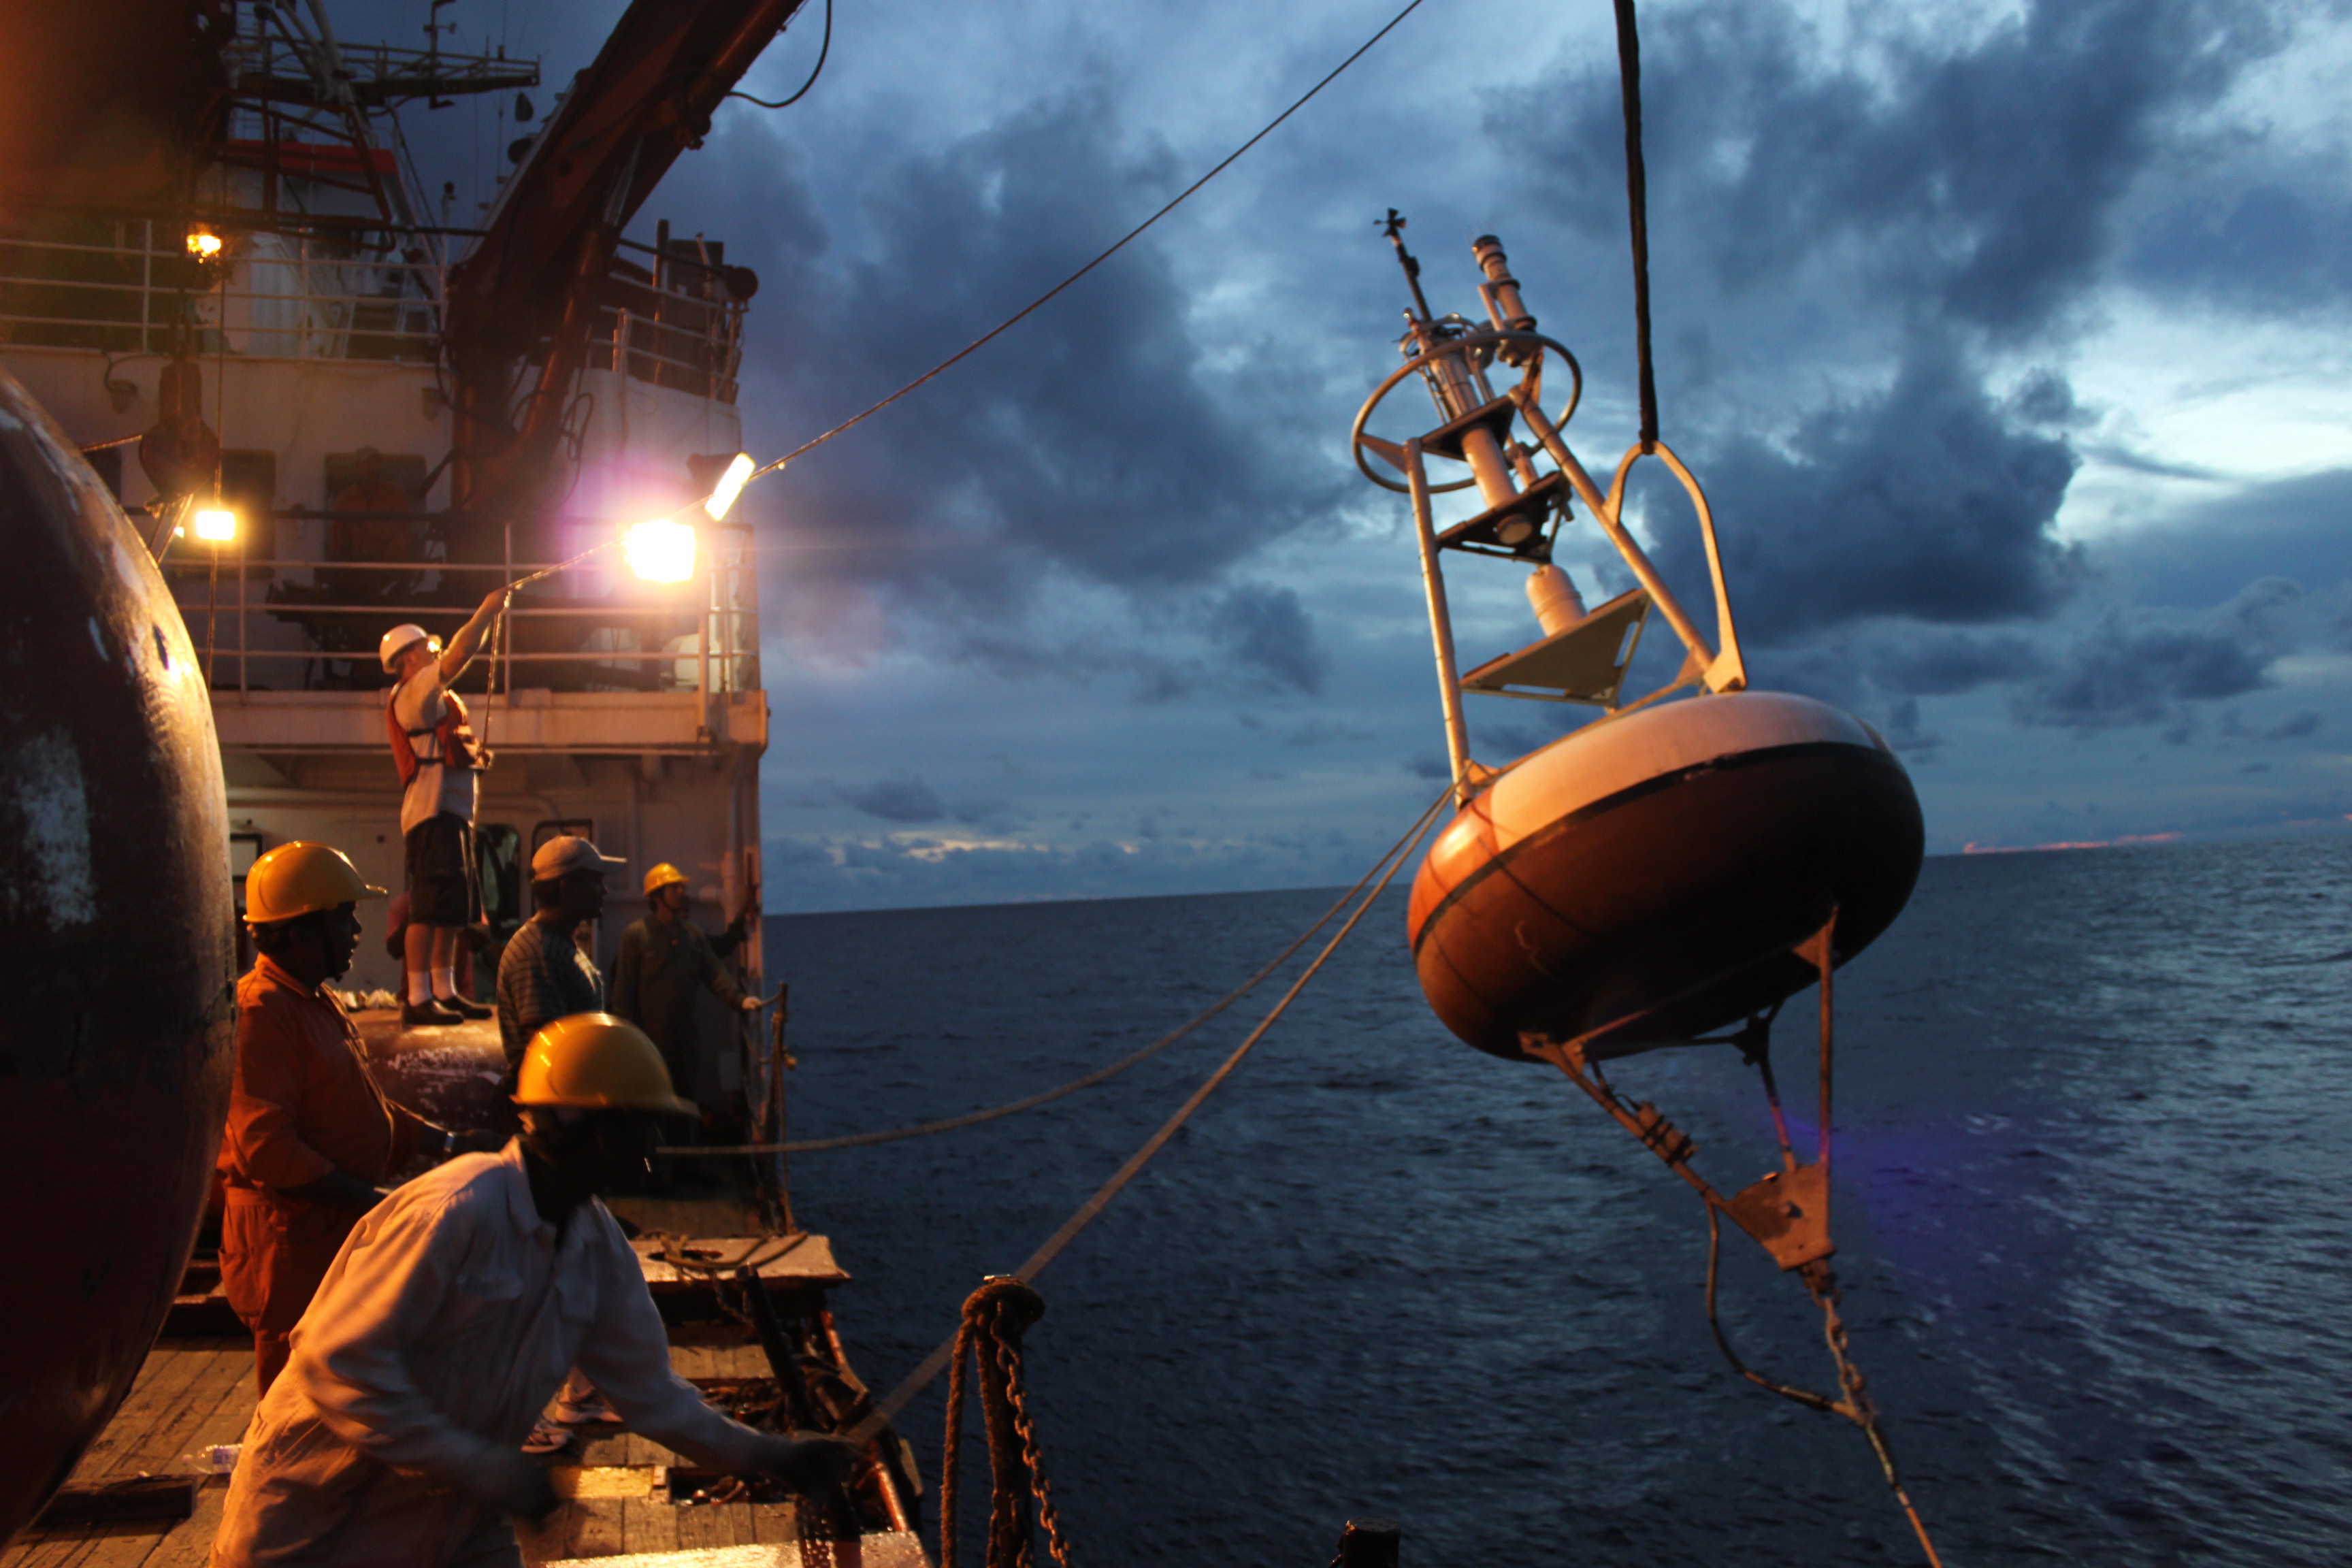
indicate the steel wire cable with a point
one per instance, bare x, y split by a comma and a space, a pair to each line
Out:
823, 50
1086, 1081
1121, 244
1087, 1212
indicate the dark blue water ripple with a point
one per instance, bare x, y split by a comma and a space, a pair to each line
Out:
2092, 1110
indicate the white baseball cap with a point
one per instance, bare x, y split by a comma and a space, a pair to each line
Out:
559, 857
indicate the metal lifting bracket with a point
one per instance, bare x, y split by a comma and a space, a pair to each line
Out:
1785, 1211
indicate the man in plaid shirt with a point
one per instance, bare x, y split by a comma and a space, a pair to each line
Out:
543, 975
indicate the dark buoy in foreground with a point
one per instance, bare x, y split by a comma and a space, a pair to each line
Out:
116, 954
1657, 868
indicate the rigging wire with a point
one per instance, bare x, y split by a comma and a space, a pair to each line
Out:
1087, 1080
823, 50
1637, 205
887, 1408
1121, 244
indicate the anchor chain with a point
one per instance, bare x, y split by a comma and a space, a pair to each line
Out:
995, 1318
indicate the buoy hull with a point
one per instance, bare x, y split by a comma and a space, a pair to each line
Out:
116, 954
1640, 882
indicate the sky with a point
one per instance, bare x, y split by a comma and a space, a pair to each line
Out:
2009, 341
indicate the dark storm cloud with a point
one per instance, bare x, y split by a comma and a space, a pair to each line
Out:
2299, 528
2253, 232
1978, 183
1091, 443
902, 798
1931, 500
1267, 630
2135, 667
1951, 662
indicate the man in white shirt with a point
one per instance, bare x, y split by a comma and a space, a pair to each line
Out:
392, 1440
439, 769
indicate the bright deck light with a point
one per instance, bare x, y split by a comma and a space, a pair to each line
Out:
730, 485
216, 524
204, 245
661, 551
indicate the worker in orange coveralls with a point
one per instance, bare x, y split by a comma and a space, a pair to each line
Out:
309, 1134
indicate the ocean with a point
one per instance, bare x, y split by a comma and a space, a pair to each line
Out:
2093, 1114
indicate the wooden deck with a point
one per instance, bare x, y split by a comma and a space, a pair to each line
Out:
194, 1394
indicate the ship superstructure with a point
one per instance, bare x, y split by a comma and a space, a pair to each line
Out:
259, 316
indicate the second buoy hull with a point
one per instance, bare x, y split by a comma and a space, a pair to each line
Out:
1643, 886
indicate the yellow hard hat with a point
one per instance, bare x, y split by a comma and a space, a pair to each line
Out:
595, 1060
299, 877
663, 876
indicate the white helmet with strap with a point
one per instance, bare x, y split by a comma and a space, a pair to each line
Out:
399, 640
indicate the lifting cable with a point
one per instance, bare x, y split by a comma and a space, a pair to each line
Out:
1087, 1080
881, 1415
1637, 206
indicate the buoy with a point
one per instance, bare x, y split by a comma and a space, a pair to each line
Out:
1647, 878
116, 951
1657, 868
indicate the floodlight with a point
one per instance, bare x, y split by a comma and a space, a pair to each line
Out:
203, 244
730, 485
661, 551
216, 524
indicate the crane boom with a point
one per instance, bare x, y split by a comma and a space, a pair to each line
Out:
528, 289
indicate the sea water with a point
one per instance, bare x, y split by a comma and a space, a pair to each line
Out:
2094, 1130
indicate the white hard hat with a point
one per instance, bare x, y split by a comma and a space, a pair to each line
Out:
399, 639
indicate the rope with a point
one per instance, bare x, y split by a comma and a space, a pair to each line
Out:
1121, 244
1637, 203
937, 1361
823, 50
1100, 1075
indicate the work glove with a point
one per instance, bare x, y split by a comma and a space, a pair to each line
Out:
515, 1484
805, 1460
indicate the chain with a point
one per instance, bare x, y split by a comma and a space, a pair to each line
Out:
1017, 1392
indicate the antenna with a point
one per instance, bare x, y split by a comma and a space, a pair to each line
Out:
1395, 228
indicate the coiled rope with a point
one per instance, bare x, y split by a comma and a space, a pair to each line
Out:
937, 1361
1086, 1081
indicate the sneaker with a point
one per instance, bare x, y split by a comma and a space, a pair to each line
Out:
427, 1016
591, 1411
463, 1007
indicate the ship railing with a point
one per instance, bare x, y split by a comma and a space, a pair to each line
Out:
273, 296
672, 339
314, 624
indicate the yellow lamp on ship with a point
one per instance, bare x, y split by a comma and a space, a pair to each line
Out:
215, 526
660, 551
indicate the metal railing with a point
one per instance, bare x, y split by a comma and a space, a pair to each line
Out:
282, 295
701, 635
274, 295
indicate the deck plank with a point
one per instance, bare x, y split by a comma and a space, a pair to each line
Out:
190, 1543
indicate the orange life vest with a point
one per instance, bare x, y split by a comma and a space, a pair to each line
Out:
452, 744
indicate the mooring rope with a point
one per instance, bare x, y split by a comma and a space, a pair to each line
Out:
1086, 1081
938, 1360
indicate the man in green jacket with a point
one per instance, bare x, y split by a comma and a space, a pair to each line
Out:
665, 960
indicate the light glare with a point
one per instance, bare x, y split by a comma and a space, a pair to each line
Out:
204, 245
661, 551
217, 524
729, 486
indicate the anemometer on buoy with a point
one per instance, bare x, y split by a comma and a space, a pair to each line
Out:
1674, 871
